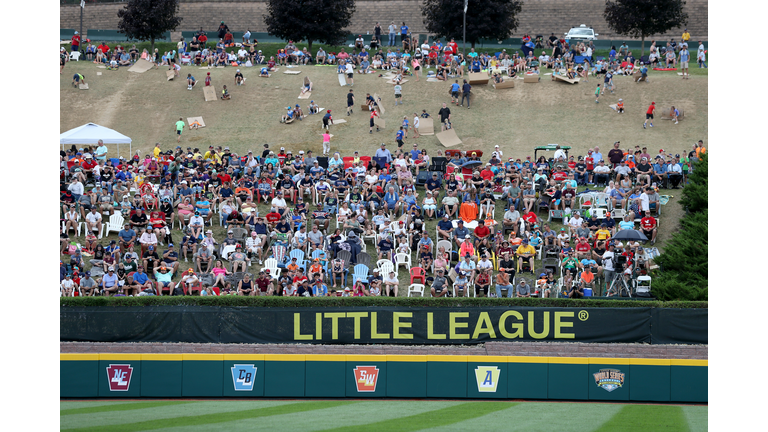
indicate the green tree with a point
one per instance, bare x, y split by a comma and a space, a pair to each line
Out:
310, 20
148, 19
491, 19
642, 18
684, 264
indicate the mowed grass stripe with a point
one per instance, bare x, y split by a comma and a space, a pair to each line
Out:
643, 418
539, 417
697, 417
158, 413
213, 418
121, 407
65, 405
359, 415
445, 416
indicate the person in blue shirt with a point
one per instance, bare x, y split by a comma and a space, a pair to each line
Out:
403, 33
319, 289
391, 199
399, 137
659, 170
455, 87
475, 65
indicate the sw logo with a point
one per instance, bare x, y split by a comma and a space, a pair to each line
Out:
366, 378
609, 379
119, 377
243, 376
487, 378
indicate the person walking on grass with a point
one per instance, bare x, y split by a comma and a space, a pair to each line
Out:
455, 92
398, 94
465, 93
608, 81
179, 128
597, 94
649, 114
326, 143
350, 102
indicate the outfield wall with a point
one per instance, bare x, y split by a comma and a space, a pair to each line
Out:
537, 16
129, 375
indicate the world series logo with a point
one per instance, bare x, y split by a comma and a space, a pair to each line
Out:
609, 379
243, 376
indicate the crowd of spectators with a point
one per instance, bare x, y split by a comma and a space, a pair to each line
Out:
332, 209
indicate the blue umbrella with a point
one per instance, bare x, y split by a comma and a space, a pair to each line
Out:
471, 164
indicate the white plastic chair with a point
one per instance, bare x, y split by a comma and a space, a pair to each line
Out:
587, 201
74, 55
643, 284
271, 265
403, 259
115, 223
382, 261
601, 213
82, 226
416, 288
601, 200
386, 267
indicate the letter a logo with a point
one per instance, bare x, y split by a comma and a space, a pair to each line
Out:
243, 376
366, 378
487, 378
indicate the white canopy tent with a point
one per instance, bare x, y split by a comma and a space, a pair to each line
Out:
91, 133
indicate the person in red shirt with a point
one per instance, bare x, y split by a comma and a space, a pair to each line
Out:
104, 48
481, 232
530, 217
432, 56
76, 42
273, 218
571, 163
202, 39
208, 79
486, 173
649, 114
454, 47
590, 161
583, 249
648, 225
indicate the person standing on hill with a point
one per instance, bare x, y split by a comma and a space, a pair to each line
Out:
350, 102
76, 42
683, 57
465, 93
392, 34
403, 32
377, 32
445, 117
179, 127
649, 114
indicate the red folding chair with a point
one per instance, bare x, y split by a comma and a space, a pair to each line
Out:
418, 273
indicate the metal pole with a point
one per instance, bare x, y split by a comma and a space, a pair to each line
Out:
82, 6
464, 41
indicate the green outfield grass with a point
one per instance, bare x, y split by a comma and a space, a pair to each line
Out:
377, 415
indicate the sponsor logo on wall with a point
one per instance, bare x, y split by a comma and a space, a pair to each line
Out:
243, 376
119, 377
366, 378
609, 379
487, 378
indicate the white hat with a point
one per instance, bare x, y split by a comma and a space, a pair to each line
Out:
238, 70
76, 32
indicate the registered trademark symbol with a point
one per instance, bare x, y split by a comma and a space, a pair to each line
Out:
583, 315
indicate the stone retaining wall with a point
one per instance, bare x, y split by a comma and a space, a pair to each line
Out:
540, 349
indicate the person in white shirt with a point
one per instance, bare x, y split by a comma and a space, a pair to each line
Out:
575, 221
497, 152
242, 54
76, 188
278, 203
67, 286
93, 221
560, 153
253, 246
391, 283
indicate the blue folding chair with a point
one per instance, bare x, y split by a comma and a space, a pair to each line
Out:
299, 255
